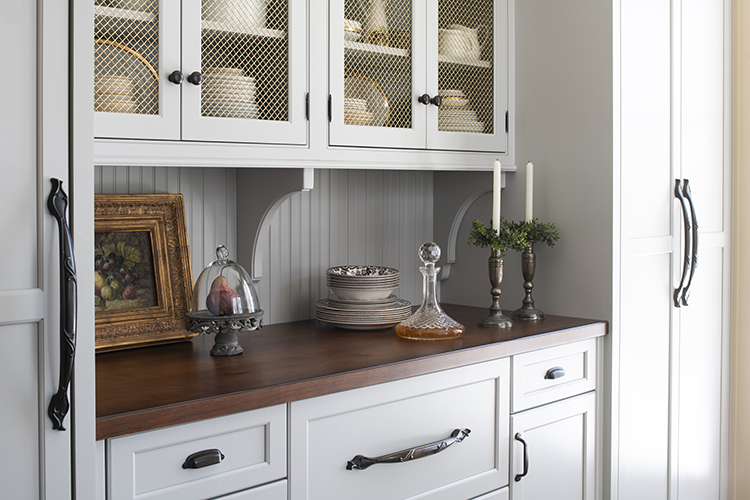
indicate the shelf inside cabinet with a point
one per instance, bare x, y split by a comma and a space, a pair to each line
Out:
368, 48
128, 15
257, 31
462, 61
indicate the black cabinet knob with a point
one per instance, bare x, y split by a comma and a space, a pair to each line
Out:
176, 77
424, 99
436, 101
195, 78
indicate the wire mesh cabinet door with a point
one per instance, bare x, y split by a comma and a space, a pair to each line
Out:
467, 44
245, 71
377, 73
136, 48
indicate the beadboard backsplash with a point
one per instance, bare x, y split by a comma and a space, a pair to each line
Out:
349, 217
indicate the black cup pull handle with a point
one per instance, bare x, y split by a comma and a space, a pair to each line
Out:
57, 203
361, 462
203, 458
554, 373
678, 193
525, 457
694, 263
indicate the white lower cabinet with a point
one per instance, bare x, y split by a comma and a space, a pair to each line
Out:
448, 435
553, 443
328, 432
273, 491
200, 460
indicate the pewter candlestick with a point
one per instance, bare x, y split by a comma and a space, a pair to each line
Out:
496, 318
528, 267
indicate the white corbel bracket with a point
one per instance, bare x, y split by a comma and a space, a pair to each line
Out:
261, 191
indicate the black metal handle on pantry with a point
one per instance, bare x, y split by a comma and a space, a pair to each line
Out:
176, 77
195, 78
57, 203
525, 457
203, 458
361, 462
694, 262
678, 192
554, 373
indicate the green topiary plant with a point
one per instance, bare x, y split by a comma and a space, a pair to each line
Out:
537, 232
509, 236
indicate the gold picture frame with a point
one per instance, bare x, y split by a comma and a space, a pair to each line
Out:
143, 278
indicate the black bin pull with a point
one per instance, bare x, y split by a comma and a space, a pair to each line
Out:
204, 458
555, 373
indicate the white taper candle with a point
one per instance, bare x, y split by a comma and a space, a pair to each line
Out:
529, 191
497, 186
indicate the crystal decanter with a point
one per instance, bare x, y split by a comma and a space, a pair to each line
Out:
429, 322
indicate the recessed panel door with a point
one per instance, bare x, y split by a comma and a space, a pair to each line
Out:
245, 68
467, 44
136, 49
377, 73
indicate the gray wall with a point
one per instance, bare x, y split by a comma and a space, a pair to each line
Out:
350, 217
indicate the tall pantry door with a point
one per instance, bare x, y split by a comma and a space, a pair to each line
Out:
670, 359
36, 460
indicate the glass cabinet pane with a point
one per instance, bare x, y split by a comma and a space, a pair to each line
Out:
126, 56
377, 63
465, 66
245, 59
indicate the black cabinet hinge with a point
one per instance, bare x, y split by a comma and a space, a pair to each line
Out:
506, 122
307, 106
329, 107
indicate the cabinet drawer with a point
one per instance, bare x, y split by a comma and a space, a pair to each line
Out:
273, 491
547, 375
150, 464
329, 431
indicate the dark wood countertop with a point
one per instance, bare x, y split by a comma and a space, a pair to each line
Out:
153, 387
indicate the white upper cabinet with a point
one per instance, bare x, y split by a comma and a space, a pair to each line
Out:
215, 82
416, 74
201, 70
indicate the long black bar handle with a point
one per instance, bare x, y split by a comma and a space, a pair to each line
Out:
362, 462
689, 197
57, 203
518, 437
678, 193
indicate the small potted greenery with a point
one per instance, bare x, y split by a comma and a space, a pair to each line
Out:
378, 36
506, 237
509, 237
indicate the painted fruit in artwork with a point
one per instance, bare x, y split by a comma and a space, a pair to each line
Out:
129, 293
221, 299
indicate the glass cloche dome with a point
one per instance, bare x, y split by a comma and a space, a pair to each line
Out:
224, 288
224, 302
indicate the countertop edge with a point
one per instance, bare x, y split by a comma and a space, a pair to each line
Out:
190, 411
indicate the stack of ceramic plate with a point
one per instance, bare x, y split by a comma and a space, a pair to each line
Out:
362, 298
352, 30
227, 93
355, 112
113, 94
455, 115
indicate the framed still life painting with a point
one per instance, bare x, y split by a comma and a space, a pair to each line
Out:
143, 279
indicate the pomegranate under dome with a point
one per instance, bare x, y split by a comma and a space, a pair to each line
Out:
224, 302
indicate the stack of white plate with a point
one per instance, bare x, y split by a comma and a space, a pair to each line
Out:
114, 94
355, 112
352, 30
227, 93
362, 298
455, 115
